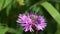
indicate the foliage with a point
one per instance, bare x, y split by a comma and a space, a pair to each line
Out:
10, 9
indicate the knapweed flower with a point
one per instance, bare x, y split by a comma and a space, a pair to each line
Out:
31, 22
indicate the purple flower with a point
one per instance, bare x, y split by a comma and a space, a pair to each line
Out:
31, 22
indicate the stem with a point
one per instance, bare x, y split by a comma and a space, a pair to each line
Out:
37, 32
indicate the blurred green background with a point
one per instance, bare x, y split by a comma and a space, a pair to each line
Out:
10, 9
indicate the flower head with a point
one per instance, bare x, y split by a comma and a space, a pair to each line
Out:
31, 22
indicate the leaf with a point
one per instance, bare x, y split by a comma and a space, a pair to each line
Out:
4, 3
53, 12
19, 30
57, 6
7, 2
58, 1
3, 29
21, 2
16, 31
1, 4
8, 9
37, 9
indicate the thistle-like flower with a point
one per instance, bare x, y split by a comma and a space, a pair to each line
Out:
31, 22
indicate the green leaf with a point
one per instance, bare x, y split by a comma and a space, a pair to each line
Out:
1, 4
21, 2
8, 9
53, 12
7, 2
57, 6
3, 29
4, 3
16, 31
37, 9
19, 30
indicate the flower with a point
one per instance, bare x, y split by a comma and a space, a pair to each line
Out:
31, 22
